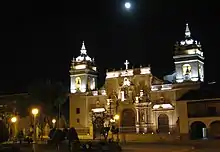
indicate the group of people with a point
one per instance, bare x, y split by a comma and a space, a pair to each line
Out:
57, 136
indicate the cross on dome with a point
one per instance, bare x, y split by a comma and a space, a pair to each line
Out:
83, 49
187, 31
126, 64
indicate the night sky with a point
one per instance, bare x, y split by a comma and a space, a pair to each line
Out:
39, 39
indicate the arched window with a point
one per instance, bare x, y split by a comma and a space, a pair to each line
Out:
78, 83
186, 69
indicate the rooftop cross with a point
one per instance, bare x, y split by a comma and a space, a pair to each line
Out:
126, 64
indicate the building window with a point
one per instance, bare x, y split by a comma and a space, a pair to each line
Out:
77, 110
78, 83
77, 120
186, 69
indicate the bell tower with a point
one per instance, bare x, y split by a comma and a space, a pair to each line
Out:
83, 73
189, 59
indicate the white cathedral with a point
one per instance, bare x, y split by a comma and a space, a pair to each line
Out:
142, 102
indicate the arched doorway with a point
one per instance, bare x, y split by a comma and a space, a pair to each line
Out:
128, 121
163, 123
196, 130
214, 129
98, 125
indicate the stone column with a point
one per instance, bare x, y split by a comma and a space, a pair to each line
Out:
145, 115
145, 120
137, 121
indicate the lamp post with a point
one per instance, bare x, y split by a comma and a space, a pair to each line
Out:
14, 120
117, 117
34, 111
53, 121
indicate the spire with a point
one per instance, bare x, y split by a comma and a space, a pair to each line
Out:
187, 31
83, 49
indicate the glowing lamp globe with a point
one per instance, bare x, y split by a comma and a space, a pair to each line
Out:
54, 121
116, 117
127, 5
13, 119
35, 111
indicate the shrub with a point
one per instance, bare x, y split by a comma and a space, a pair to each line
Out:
4, 133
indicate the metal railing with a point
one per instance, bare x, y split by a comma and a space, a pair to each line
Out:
170, 129
150, 129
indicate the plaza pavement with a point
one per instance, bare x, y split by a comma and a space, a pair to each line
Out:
166, 148
141, 148
192, 146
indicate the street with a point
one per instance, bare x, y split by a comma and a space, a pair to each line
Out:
140, 148
156, 148
164, 148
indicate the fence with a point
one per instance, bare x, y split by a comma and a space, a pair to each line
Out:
150, 129
170, 129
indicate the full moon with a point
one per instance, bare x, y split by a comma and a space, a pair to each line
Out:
127, 5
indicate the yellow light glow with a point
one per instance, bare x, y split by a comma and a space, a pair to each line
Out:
78, 83
191, 51
13, 119
116, 117
35, 111
112, 120
162, 106
98, 110
186, 68
82, 66
54, 121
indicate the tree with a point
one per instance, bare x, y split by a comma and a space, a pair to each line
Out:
51, 96
4, 134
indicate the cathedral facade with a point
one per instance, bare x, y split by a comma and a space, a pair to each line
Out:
133, 99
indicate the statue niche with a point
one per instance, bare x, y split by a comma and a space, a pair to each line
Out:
78, 83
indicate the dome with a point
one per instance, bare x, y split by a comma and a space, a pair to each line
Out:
188, 39
83, 55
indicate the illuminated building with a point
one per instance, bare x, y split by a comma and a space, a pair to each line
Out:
143, 103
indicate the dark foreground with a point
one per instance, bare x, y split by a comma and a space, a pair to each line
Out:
129, 147
64, 147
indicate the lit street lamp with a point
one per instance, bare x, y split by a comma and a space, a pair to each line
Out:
53, 121
34, 111
14, 120
117, 117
